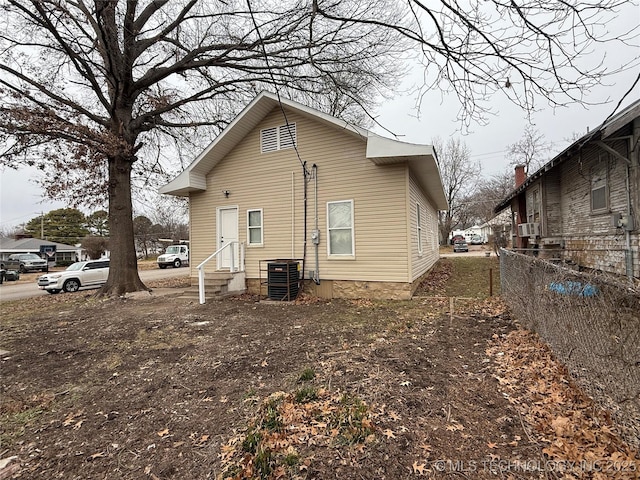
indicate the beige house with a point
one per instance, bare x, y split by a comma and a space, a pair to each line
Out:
356, 211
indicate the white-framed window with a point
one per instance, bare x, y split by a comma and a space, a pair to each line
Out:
599, 189
434, 232
254, 227
278, 138
340, 229
419, 228
533, 205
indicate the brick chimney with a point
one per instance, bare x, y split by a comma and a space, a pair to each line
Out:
520, 175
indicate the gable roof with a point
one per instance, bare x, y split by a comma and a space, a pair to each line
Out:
380, 150
610, 126
11, 245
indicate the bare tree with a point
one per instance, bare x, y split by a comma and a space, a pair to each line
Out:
489, 192
526, 51
170, 215
10, 231
459, 178
144, 234
529, 151
95, 93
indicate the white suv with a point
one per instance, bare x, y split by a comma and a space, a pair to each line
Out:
91, 273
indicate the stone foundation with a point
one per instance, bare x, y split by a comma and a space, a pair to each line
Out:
349, 289
374, 290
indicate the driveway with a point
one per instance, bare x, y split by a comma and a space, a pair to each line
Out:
474, 251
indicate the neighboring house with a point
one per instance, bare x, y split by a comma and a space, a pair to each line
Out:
471, 231
583, 206
498, 226
63, 252
368, 207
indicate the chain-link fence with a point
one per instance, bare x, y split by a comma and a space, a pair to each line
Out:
592, 323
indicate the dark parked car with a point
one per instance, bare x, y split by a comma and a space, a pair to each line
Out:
25, 262
9, 275
460, 246
457, 238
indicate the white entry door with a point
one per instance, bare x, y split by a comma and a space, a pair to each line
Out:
227, 233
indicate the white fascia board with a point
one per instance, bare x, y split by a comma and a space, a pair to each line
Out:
380, 147
420, 158
184, 183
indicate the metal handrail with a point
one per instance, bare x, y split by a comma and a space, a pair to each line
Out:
232, 267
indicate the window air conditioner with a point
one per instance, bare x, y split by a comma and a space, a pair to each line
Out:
529, 229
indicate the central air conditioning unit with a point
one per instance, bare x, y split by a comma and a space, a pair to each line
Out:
283, 280
529, 229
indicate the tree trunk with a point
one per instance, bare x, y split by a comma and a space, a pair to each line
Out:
123, 268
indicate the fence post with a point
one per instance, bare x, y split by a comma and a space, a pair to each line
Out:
491, 282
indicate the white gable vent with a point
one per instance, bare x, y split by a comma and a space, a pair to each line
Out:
278, 138
269, 140
287, 135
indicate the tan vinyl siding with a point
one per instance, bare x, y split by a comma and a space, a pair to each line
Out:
264, 181
420, 263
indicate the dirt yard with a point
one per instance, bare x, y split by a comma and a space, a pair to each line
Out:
160, 388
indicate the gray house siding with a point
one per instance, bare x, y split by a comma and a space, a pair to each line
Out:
582, 192
589, 237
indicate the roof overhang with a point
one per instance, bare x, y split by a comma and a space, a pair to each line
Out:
421, 160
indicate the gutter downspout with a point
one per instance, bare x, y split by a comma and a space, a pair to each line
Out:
315, 236
305, 181
293, 215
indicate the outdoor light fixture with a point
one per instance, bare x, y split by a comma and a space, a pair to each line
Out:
226, 193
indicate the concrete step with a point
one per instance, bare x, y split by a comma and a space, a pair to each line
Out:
216, 285
211, 292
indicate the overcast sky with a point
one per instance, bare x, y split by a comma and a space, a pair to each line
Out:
489, 144
21, 199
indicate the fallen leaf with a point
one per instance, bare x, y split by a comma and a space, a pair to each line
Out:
305, 465
418, 468
388, 433
163, 433
425, 447
492, 445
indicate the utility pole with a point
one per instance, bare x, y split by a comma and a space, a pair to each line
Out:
42, 225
